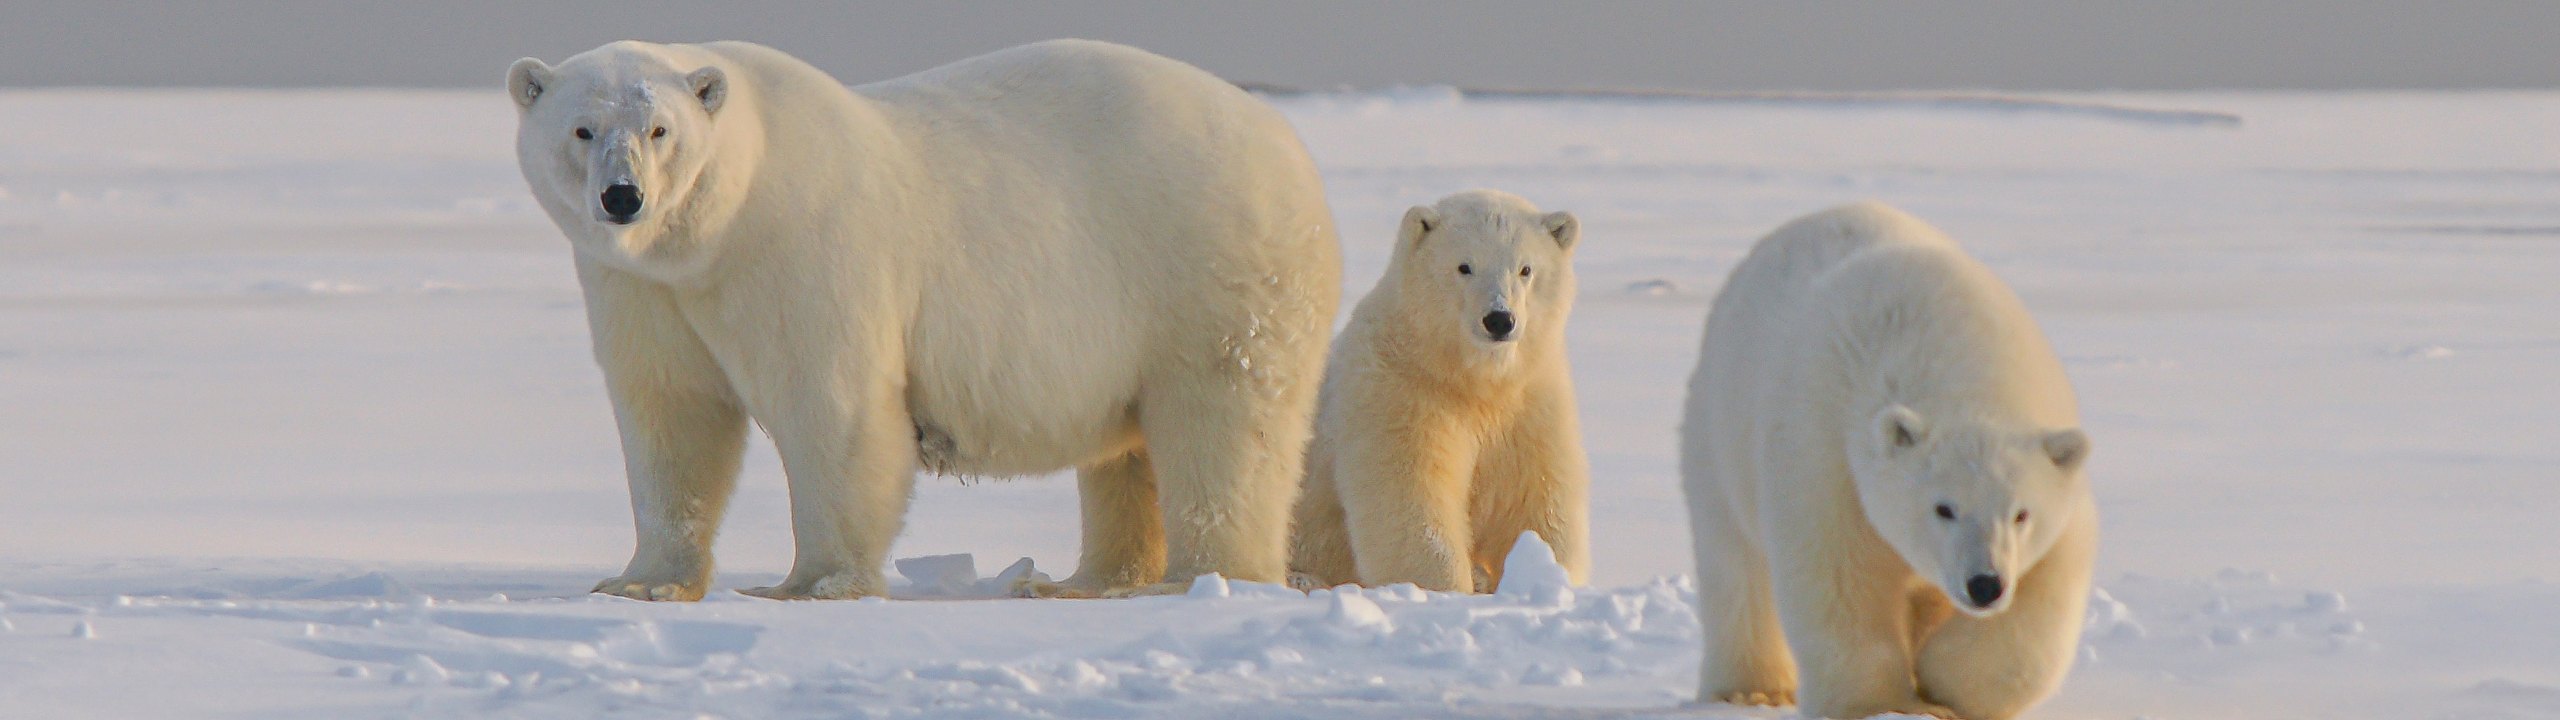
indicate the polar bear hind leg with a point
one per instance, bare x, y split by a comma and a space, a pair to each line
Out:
1123, 531
1226, 457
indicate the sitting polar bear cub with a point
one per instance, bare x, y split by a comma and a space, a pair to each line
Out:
1877, 437
1067, 254
1447, 424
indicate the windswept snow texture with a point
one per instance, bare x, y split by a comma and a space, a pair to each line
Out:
297, 421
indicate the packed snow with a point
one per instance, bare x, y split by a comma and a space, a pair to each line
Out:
297, 420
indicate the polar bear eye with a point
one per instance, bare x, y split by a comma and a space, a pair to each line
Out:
583, 134
2021, 518
1946, 511
658, 133
1524, 271
1465, 269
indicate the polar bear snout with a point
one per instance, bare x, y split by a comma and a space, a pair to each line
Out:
1498, 325
621, 203
1983, 590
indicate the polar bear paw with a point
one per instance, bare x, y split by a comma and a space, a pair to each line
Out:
1165, 588
1040, 587
1306, 582
650, 588
1918, 708
1759, 698
837, 586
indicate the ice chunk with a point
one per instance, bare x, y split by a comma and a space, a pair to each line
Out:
1014, 575
945, 574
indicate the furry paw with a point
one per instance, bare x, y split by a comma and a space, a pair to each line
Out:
1040, 587
839, 586
1303, 582
1759, 698
654, 589
1147, 590
1921, 708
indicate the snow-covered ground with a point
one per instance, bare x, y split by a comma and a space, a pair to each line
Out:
296, 420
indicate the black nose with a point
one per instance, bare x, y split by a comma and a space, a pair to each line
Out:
622, 200
1983, 589
1498, 324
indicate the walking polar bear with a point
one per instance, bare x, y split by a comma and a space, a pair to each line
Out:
1447, 424
1067, 254
1884, 475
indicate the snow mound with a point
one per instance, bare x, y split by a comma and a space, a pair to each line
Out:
1531, 572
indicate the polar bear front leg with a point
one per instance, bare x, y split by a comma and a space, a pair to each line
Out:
1123, 531
1746, 661
851, 470
1843, 600
1404, 495
682, 429
681, 452
1534, 476
1319, 542
1995, 668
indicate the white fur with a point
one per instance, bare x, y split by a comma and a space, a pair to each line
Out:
1438, 444
1066, 254
1858, 371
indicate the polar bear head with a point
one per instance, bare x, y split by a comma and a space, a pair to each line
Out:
1969, 504
616, 142
1488, 268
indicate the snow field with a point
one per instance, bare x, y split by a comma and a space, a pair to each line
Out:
297, 420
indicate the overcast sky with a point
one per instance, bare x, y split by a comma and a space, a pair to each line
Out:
1807, 45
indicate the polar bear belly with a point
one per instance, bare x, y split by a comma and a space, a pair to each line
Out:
1004, 388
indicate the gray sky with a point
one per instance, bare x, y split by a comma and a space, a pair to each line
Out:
1808, 45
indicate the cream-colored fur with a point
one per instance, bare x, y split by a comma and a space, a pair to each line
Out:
1066, 254
1860, 372
1437, 444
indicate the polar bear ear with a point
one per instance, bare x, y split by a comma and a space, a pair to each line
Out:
526, 80
709, 85
1899, 428
1563, 227
1420, 220
2067, 448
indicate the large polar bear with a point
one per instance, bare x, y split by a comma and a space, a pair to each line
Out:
1878, 436
1067, 254
1447, 424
